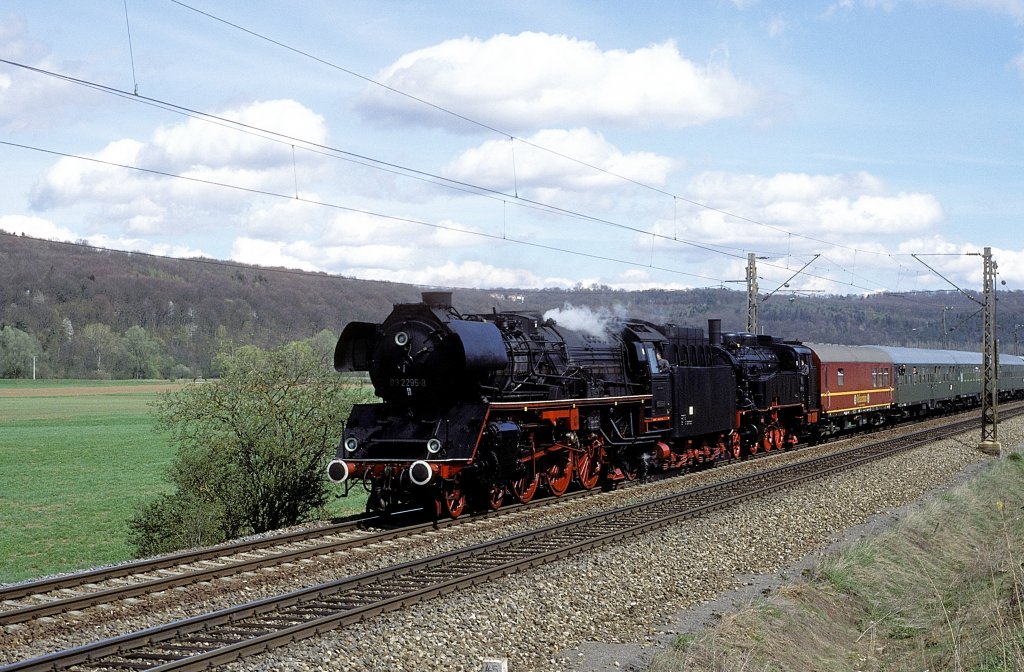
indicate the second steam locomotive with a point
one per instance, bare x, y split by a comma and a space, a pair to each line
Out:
478, 410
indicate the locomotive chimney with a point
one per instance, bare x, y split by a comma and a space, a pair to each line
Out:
438, 299
715, 331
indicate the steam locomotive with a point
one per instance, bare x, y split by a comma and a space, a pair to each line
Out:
478, 410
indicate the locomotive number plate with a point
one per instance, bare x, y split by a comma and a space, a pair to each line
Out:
408, 382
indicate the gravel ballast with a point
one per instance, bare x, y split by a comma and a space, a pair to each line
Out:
629, 593
605, 609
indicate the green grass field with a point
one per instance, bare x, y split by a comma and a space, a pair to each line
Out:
77, 457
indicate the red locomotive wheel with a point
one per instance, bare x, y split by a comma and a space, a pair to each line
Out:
495, 496
588, 465
451, 502
523, 489
559, 476
736, 446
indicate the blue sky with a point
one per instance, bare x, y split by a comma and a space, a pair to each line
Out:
636, 145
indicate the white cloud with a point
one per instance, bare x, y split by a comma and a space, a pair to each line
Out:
197, 144
22, 92
839, 207
269, 253
1018, 64
493, 164
144, 202
534, 80
356, 229
36, 227
465, 274
777, 25
1012, 8
359, 244
283, 218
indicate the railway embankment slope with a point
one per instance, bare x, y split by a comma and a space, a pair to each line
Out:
933, 584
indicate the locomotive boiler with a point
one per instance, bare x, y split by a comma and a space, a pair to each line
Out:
477, 410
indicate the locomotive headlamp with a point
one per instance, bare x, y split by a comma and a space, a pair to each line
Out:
351, 443
420, 472
434, 446
401, 338
337, 471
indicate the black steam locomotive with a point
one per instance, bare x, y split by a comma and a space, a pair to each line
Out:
479, 409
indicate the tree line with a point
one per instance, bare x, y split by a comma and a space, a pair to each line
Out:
69, 310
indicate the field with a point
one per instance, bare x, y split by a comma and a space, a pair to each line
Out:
78, 456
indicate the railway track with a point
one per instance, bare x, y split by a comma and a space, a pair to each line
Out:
229, 634
74, 592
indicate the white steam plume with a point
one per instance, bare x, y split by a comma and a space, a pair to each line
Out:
598, 323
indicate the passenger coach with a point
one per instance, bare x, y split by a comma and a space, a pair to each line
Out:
871, 385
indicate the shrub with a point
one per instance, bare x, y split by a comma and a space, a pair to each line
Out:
252, 448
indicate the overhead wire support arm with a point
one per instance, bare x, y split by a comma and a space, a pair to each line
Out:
786, 282
951, 283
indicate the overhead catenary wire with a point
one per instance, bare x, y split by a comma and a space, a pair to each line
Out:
131, 50
335, 152
338, 206
503, 133
408, 172
398, 169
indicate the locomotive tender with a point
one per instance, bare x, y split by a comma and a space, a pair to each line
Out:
480, 409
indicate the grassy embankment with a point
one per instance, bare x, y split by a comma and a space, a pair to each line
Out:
943, 590
77, 457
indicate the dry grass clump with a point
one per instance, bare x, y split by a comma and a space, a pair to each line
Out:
944, 590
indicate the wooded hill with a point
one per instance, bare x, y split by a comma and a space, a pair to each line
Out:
87, 312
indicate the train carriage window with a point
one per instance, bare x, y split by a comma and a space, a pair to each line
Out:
874, 377
885, 377
839, 377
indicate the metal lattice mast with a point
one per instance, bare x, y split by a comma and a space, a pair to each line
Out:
751, 294
990, 362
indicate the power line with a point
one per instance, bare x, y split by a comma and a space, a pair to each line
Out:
377, 164
337, 206
131, 51
506, 134
433, 178
397, 169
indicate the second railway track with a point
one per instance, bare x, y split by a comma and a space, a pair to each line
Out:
228, 634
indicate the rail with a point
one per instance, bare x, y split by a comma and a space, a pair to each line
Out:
233, 633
